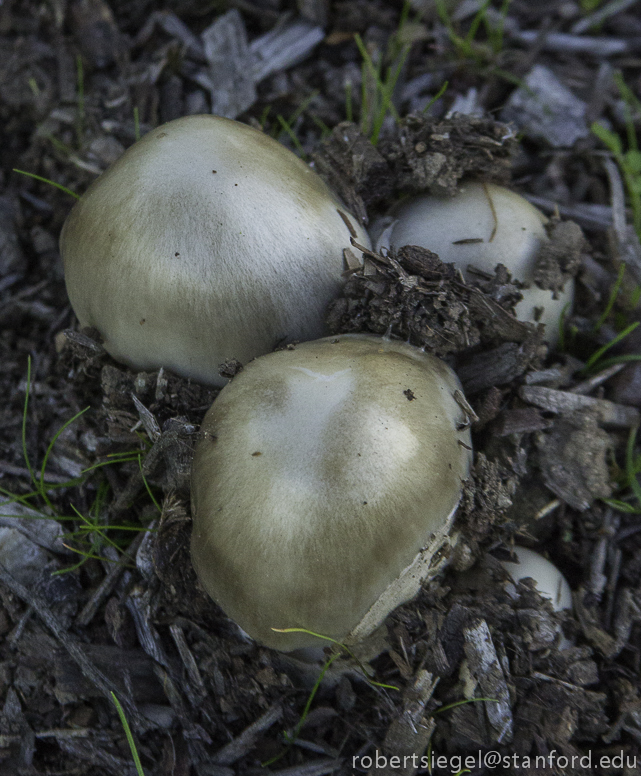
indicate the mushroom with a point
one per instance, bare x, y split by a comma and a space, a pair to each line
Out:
548, 580
206, 241
325, 481
482, 226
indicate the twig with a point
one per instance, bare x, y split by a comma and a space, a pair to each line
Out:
574, 44
617, 197
587, 386
608, 412
627, 240
240, 745
88, 669
607, 10
109, 582
188, 659
587, 215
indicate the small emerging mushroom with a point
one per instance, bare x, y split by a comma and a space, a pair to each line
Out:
325, 481
206, 241
482, 226
548, 580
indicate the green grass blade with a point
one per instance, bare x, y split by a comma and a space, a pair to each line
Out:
46, 180
124, 458
630, 468
387, 92
476, 23
136, 123
144, 479
436, 97
53, 442
128, 734
25, 410
342, 646
95, 530
310, 699
80, 124
290, 739
594, 358
612, 299
292, 136
611, 140
622, 506
465, 702
623, 359
562, 317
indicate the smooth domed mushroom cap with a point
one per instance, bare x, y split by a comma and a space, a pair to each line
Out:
207, 240
321, 474
482, 226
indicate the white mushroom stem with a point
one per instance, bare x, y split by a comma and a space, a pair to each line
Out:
323, 474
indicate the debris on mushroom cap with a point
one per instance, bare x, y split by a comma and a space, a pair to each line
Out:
206, 241
482, 226
325, 481
550, 583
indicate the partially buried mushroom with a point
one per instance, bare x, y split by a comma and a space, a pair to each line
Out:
482, 226
325, 482
548, 580
206, 241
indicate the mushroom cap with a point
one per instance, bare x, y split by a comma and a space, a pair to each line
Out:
321, 474
497, 226
549, 581
207, 240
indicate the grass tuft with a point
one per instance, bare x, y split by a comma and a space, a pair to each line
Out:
467, 46
89, 534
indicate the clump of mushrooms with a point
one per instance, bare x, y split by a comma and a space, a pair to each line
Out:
482, 226
326, 479
328, 474
206, 241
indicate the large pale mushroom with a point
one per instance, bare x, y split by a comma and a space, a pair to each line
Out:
325, 482
207, 240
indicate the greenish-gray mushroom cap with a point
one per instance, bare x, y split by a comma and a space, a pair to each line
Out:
325, 480
206, 241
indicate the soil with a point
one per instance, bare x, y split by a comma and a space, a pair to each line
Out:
78, 82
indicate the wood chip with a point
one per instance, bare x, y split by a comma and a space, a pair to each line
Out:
231, 83
587, 386
284, 46
147, 419
108, 583
410, 732
75, 650
519, 421
243, 743
574, 44
607, 412
485, 668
